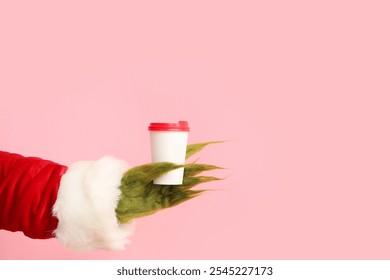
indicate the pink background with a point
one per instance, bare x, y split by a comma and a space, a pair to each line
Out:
300, 88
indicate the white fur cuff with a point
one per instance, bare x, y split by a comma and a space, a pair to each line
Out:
85, 207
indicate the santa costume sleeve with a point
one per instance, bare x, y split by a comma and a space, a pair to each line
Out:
74, 204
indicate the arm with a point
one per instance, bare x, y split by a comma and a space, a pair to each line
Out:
92, 204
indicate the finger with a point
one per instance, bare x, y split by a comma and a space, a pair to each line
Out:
146, 173
193, 169
194, 148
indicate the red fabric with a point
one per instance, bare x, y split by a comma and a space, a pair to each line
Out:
28, 191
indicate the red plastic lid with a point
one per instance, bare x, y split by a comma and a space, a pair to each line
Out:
180, 126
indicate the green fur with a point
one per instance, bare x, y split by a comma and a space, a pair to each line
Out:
141, 197
194, 148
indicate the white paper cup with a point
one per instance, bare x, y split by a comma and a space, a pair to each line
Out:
169, 144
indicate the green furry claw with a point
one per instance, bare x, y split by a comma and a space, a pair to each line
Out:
141, 197
194, 148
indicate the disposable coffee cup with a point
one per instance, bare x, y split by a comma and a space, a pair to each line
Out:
169, 144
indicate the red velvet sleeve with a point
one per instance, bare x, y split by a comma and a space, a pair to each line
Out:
28, 191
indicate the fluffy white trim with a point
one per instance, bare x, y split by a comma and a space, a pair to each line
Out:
85, 206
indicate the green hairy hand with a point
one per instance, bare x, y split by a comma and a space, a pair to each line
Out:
141, 197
